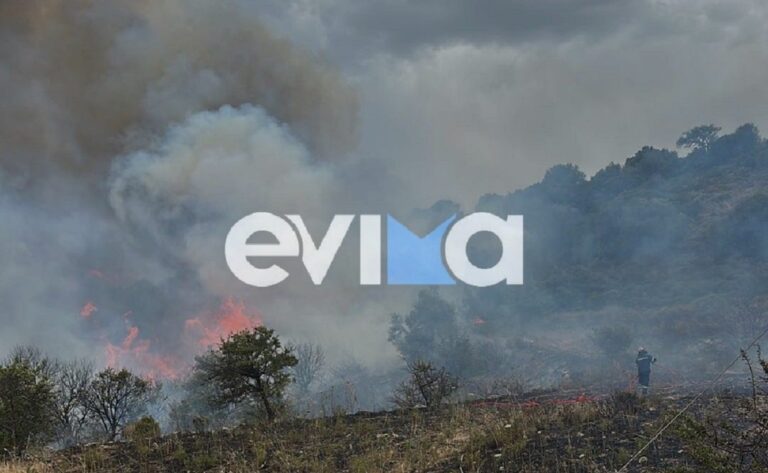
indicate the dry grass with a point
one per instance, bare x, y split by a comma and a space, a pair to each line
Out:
587, 437
25, 467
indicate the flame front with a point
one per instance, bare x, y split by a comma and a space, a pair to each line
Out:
137, 352
231, 317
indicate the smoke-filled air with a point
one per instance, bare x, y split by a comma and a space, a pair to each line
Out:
135, 133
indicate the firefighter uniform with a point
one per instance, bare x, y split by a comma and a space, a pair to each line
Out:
644, 361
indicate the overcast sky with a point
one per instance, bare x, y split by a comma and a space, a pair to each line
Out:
484, 96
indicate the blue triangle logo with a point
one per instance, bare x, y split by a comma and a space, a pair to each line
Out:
412, 260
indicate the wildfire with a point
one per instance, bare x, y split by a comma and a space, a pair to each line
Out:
133, 332
138, 353
231, 317
88, 310
135, 352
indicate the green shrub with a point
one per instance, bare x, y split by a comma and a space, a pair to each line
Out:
143, 430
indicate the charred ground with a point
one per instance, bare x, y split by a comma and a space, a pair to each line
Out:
553, 431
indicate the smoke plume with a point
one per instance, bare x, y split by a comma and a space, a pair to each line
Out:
132, 134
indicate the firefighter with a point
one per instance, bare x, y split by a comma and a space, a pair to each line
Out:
644, 361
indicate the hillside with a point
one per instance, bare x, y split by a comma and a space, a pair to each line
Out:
538, 433
664, 250
700, 221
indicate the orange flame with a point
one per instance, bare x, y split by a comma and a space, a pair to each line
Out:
88, 309
135, 352
231, 317
133, 332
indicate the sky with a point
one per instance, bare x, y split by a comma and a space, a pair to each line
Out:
484, 96
133, 134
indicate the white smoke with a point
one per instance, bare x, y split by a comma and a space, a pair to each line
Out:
216, 167
210, 171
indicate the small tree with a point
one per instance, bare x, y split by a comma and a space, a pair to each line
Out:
71, 388
700, 137
428, 332
311, 360
249, 366
425, 386
116, 397
26, 397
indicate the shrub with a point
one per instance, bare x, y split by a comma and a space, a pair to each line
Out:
426, 386
142, 430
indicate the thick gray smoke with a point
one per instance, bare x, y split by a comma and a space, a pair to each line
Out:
132, 133
85, 80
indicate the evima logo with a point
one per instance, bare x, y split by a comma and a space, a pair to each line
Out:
439, 258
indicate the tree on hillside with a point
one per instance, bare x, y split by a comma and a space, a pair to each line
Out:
699, 138
651, 162
429, 326
564, 184
33, 358
430, 332
311, 360
72, 381
26, 397
114, 398
251, 365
